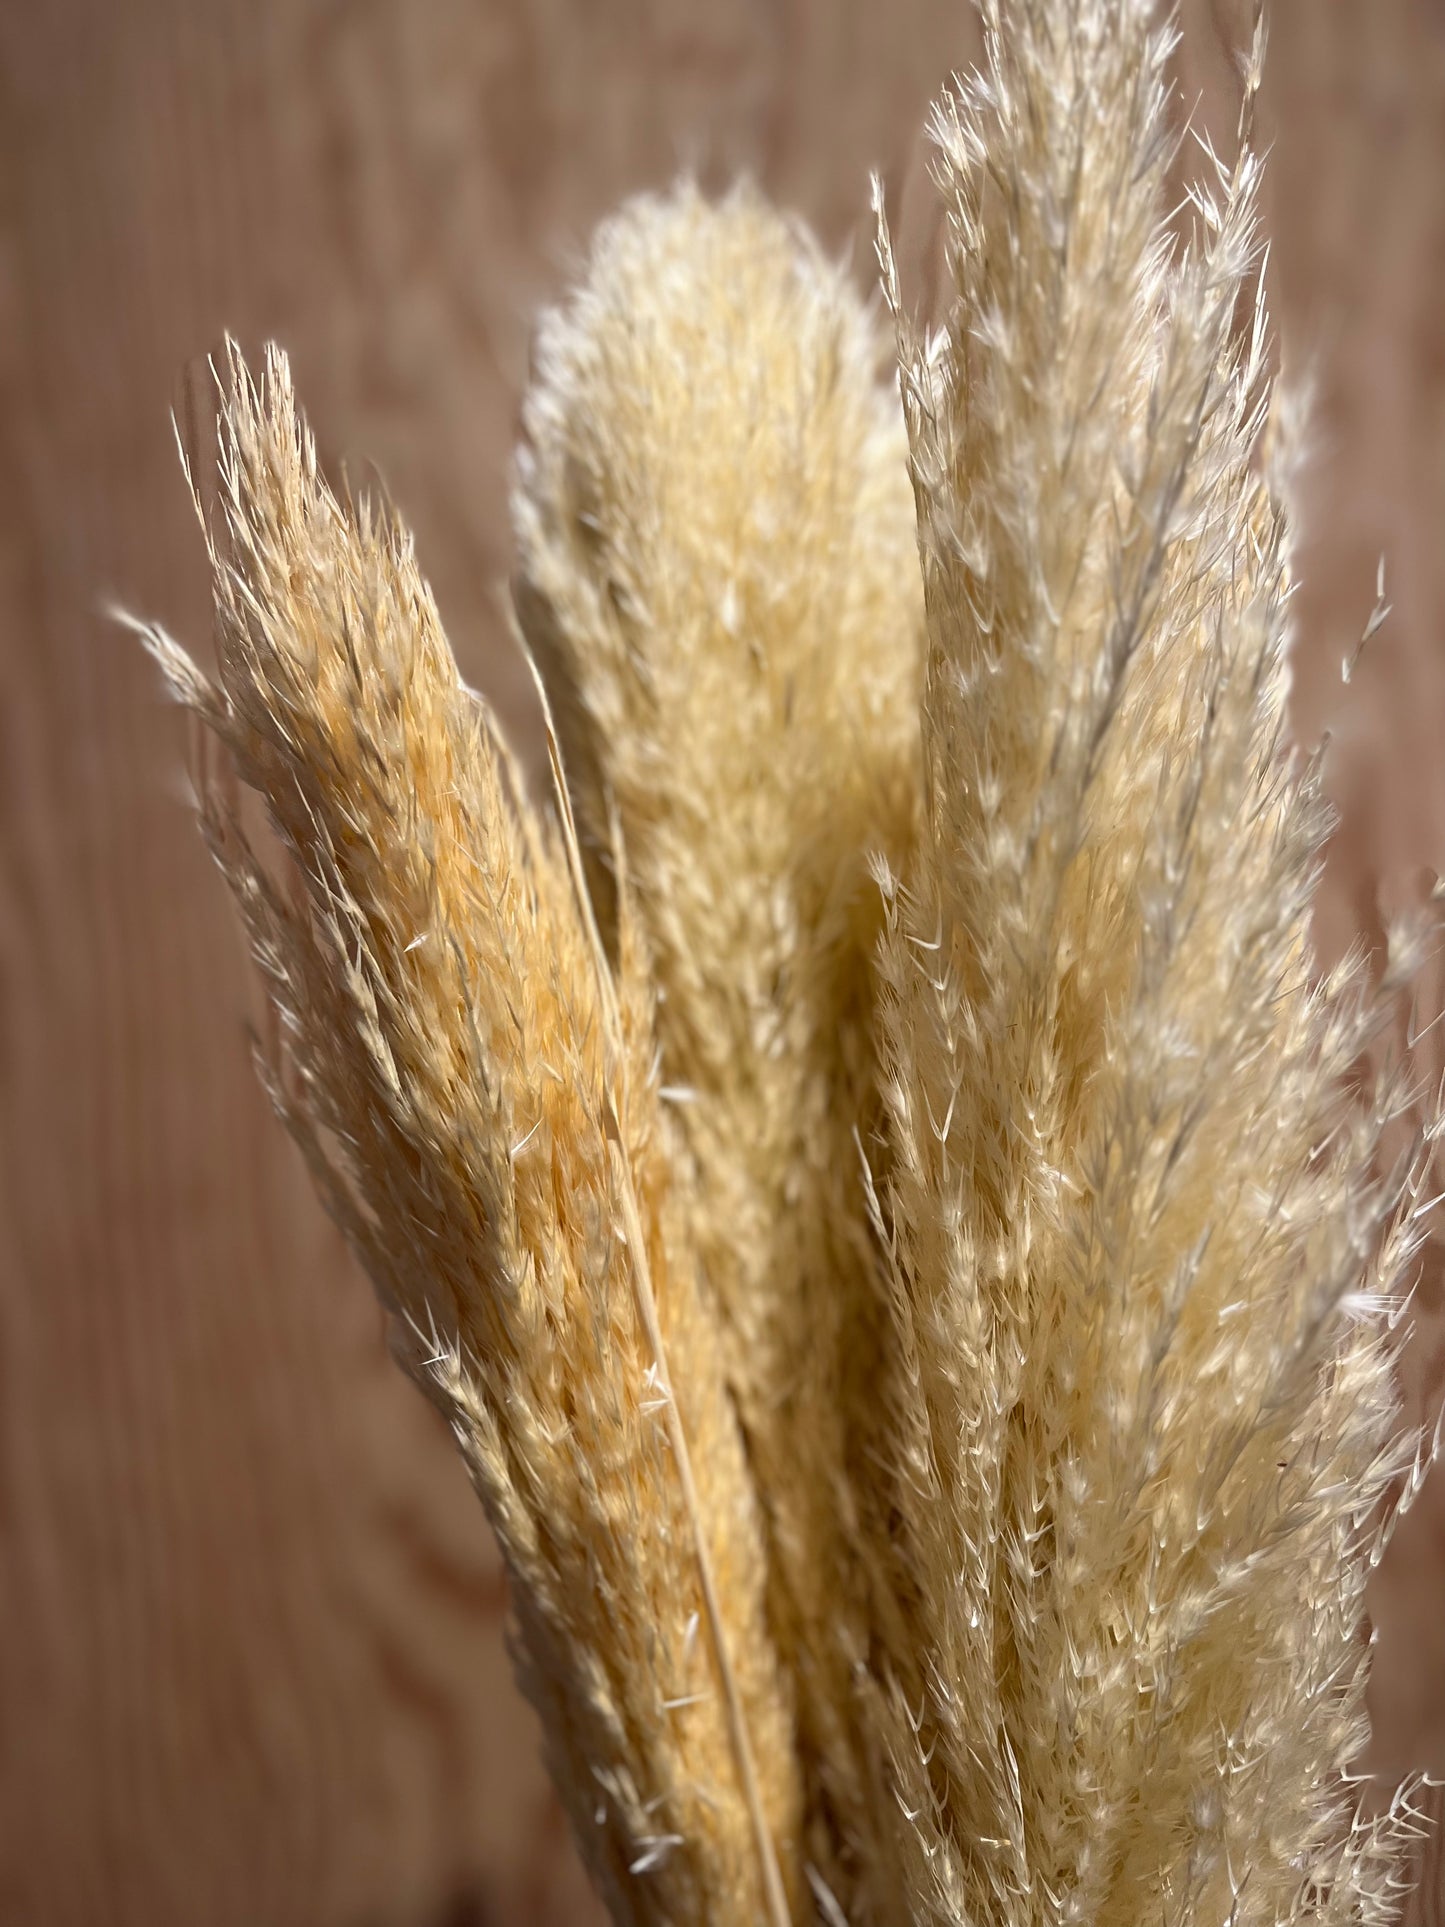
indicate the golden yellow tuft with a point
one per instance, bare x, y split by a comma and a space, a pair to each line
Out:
478, 1102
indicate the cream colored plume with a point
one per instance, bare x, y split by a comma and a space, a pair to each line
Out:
1140, 1251
717, 574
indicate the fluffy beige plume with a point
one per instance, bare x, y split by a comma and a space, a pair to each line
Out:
1139, 1253
718, 576
476, 1096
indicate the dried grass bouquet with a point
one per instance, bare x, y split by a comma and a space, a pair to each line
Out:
872, 1174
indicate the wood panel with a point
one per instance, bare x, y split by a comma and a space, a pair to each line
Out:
252, 1664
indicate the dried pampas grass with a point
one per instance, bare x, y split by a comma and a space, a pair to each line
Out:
890, 1210
474, 1086
717, 572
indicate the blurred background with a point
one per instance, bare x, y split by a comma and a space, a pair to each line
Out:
252, 1662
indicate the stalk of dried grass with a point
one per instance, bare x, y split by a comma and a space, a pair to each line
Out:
478, 1102
716, 572
1141, 1257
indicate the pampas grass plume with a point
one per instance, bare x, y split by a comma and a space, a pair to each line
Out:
717, 574
476, 1094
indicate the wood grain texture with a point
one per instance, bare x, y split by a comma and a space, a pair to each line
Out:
252, 1666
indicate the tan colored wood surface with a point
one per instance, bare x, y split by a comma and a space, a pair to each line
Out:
251, 1663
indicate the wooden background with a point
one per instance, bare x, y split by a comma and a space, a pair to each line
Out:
251, 1658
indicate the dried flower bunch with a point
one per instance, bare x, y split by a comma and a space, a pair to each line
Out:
873, 1177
